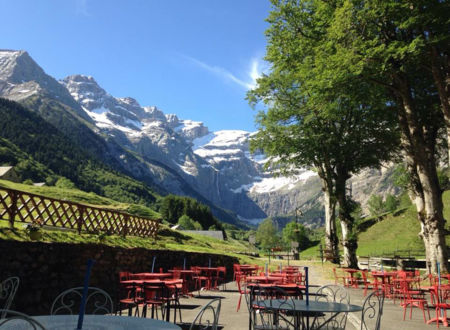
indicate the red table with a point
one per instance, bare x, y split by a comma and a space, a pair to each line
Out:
385, 281
185, 274
248, 269
265, 279
172, 284
150, 276
209, 273
353, 281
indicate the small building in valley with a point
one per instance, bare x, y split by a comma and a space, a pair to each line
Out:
8, 173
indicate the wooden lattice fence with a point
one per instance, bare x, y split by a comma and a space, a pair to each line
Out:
19, 206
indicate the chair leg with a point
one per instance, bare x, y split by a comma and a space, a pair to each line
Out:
239, 303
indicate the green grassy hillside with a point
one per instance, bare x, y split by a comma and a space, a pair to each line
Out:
79, 196
167, 239
392, 233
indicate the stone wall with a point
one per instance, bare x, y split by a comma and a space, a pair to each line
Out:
45, 270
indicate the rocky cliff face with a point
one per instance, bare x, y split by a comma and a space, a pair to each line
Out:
180, 156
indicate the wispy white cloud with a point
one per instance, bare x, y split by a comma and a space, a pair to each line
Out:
254, 72
82, 7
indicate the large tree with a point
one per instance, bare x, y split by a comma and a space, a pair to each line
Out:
402, 47
313, 118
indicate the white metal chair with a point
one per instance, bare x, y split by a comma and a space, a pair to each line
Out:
372, 311
208, 317
16, 320
8, 289
263, 315
69, 301
332, 293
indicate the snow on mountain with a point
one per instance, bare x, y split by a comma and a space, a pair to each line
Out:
216, 165
123, 114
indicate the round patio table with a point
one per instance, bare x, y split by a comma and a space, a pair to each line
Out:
264, 279
150, 276
300, 307
353, 281
102, 322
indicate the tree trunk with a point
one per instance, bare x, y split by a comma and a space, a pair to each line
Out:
421, 152
331, 240
349, 245
349, 241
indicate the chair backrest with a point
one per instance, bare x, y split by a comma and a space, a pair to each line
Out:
208, 317
156, 292
176, 274
262, 303
372, 311
333, 293
16, 320
124, 276
69, 301
8, 289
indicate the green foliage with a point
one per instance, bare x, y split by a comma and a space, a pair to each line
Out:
295, 232
32, 141
401, 177
267, 235
391, 203
187, 223
173, 207
444, 178
28, 182
64, 183
142, 211
375, 205
378, 206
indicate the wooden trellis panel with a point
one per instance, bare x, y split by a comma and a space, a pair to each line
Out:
19, 206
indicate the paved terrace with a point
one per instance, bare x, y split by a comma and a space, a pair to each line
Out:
231, 320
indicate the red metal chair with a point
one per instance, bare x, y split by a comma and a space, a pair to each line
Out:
242, 288
130, 297
441, 297
412, 298
220, 277
366, 281
337, 278
200, 279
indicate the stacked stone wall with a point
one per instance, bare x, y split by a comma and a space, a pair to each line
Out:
47, 269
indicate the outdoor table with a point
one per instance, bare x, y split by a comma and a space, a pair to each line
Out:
291, 289
184, 273
209, 272
385, 280
264, 279
248, 269
101, 322
150, 276
352, 279
174, 284
300, 307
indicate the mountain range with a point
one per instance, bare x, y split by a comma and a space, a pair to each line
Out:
169, 154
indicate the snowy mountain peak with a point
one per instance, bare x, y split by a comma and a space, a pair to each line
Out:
85, 90
155, 114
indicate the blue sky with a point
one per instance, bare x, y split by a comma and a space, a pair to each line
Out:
194, 58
